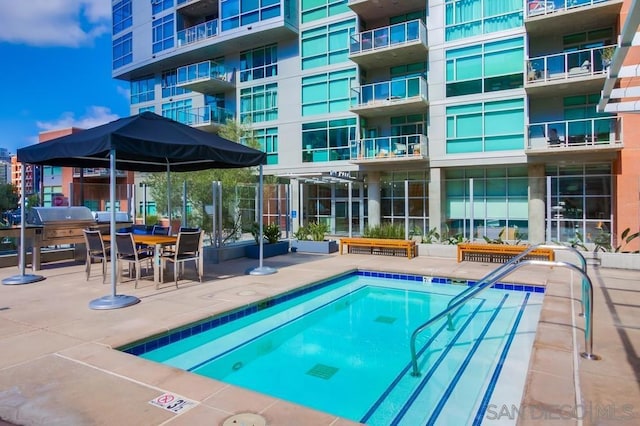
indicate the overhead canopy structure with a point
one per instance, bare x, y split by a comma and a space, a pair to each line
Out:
145, 142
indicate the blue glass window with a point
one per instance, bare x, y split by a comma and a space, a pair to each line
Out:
142, 90
237, 13
122, 51
259, 103
326, 45
468, 18
312, 10
327, 92
327, 140
122, 16
169, 88
163, 32
158, 6
259, 63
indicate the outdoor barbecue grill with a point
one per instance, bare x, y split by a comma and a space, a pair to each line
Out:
60, 225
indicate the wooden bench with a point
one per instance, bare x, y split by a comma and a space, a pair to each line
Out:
500, 253
382, 246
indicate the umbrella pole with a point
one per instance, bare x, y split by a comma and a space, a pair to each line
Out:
23, 278
113, 301
261, 270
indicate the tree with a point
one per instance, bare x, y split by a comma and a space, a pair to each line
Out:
8, 197
199, 184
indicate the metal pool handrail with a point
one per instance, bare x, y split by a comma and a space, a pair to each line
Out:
499, 273
513, 260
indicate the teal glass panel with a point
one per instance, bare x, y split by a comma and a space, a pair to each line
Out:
502, 143
506, 62
464, 145
503, 122
505, 104
456, 208
518, 187
518, 209
496, 187
468, 68
451, 131
496, 207
464, 109
455, 188
469, 125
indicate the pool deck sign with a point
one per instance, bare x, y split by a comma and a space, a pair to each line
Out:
174, 403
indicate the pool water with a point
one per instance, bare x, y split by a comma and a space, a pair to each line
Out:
344, 349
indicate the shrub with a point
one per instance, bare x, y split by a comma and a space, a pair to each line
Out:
270, 232
385, 230
317, 230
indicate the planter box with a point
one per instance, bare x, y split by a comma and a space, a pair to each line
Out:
269, 250
324, 247
438, 250
232, 251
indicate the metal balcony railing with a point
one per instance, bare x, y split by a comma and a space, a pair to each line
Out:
406, 146
567, 65
198, 32
390, 36
203, 116
202, 71
589, 132
542, 7
389, 91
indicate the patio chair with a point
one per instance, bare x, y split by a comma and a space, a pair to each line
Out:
188, 248
161, 230
97, 251
134, 257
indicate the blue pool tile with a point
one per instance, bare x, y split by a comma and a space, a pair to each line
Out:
528, 288
508, 286
499, 286
518, 287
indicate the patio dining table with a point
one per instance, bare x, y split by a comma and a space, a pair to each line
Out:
157, 242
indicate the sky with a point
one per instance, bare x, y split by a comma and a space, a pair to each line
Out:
55, 68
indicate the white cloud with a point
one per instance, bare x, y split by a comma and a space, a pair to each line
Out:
125, 92
95, 116
69, 23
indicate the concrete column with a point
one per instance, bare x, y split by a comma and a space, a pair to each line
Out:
373, 192
537, 188
436, 199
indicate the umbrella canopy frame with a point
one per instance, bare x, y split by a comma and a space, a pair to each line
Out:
145, 142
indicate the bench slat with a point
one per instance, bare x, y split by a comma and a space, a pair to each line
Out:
409, 246
499, 252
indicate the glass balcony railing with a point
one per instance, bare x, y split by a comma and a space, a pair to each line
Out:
393, 35
96, 172
567, 65
203, 71
389, 91
389, 147
589, 132
196, 33
542, 7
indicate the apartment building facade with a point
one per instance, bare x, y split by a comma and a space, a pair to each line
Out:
476, 118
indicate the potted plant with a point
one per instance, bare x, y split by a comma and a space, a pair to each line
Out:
311, 239
272, 246
607, 55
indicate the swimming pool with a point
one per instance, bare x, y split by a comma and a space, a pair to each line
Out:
342, 346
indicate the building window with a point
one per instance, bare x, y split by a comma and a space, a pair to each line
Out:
326, 45
327, 140
169, 88
148, 108
122, 51
312, 10
468, 18
580, 202
392, 199
327, 92
179, 111
158, 6
163, 32
485, 126
486, 67
268, 140
122, 16
259, 63
238, 13
259, 103
500, 203
142, 90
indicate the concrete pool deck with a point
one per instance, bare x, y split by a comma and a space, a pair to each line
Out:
58, 366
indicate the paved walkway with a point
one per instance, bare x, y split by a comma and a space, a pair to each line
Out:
57, 365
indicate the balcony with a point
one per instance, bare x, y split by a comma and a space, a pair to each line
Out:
389, 148
197, 33
586, 67
394, 97
372, 10
388, 46
206, 77
206, 118
567, 16
595, 135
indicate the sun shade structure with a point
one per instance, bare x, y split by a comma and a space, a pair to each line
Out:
145, 142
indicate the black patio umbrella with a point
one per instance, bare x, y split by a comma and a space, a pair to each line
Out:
145, 142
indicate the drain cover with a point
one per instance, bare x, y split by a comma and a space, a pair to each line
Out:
322, 371
385, 319
245, 419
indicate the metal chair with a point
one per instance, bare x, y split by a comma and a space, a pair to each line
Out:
161, 230
127, 252
96, 250
188, 248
